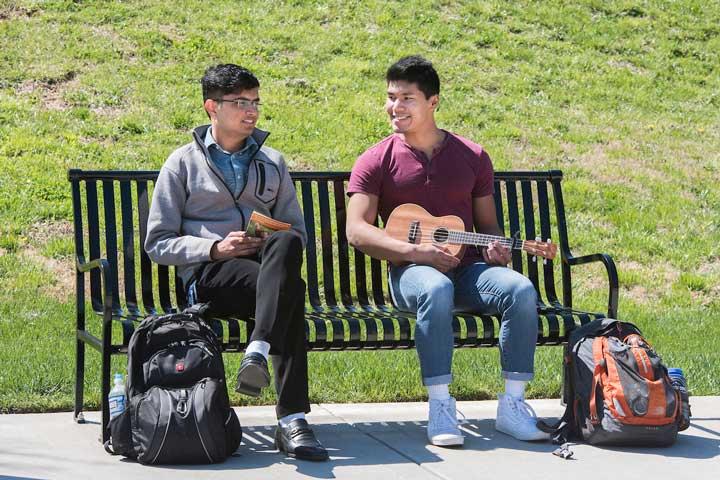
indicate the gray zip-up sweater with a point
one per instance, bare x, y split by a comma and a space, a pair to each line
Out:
193, 208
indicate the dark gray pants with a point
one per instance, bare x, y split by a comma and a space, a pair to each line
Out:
269, 288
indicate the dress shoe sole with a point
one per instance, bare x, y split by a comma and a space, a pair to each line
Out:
313, 458
252, 379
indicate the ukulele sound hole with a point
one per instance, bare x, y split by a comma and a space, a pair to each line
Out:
440, 235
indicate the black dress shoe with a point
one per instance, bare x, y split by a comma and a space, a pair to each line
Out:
253, 375
298, 440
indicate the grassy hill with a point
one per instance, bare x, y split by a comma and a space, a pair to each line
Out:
623, 96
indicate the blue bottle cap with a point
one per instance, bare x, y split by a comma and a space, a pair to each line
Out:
675, 371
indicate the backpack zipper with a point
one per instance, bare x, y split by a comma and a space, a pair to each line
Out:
197, 426
167, 428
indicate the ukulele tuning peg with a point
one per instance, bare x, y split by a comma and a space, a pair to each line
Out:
538, 239
544, 261
534, 258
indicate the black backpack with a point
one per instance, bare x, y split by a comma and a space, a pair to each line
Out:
616, 388
178, 410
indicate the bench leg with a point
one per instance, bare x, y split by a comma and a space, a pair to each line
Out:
79, 379
79, 347
107, 342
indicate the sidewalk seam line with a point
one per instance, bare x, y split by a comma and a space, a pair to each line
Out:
330, 412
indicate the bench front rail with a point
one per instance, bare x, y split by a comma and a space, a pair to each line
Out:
348, 306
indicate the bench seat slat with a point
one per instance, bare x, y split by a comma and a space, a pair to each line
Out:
342, 321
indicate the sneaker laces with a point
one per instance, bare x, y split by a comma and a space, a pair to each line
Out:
521, 409
463, 420
446, 414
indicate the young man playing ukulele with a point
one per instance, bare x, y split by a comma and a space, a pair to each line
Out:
446, 175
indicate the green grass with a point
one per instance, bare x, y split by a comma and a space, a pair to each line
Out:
620, 95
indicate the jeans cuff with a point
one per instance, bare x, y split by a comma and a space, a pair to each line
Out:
439, 380
522, 376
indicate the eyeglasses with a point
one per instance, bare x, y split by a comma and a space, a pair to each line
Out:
241, 103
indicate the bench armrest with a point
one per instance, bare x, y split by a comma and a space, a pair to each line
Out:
81, 266
613, 283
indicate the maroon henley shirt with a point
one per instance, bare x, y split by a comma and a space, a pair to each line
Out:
446, 184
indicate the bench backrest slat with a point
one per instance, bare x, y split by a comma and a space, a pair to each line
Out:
145, 262
514, 219
166, 304
111, 239
311, 249
128, 243
497, 197
326, 244
523, 200
530, 232
361, 279
545, 234
93, 242
376, 269
342, 243
562, 240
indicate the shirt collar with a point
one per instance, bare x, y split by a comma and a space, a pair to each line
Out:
250, 144
437, 149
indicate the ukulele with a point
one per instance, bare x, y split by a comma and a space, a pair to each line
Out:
412, 223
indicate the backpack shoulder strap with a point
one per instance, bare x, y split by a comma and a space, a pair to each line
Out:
562, 430
598, 349
136, 349
199, 309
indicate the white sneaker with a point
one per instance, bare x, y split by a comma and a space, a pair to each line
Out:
517, 419
442, 429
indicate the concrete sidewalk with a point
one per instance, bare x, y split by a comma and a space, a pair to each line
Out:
366, 441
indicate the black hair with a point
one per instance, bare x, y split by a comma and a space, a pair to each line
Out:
227, 78
415, 69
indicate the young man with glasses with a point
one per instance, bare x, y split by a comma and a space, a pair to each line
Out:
203, 198
447, 175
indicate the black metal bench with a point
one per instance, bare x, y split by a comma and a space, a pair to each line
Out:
348, 306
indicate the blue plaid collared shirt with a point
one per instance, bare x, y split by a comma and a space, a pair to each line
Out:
234, 166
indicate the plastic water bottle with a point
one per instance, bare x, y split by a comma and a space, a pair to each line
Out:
677, 379
116, 398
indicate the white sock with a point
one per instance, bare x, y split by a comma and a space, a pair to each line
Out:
285, 421
515, 388
258, 346
438, 392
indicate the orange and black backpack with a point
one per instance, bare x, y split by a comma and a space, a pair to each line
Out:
616, 388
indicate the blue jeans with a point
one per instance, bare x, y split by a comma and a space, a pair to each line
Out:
480, 288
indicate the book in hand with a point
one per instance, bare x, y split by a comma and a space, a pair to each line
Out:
259, 223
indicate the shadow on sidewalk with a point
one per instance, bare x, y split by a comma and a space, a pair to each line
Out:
399, 443
688, 444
